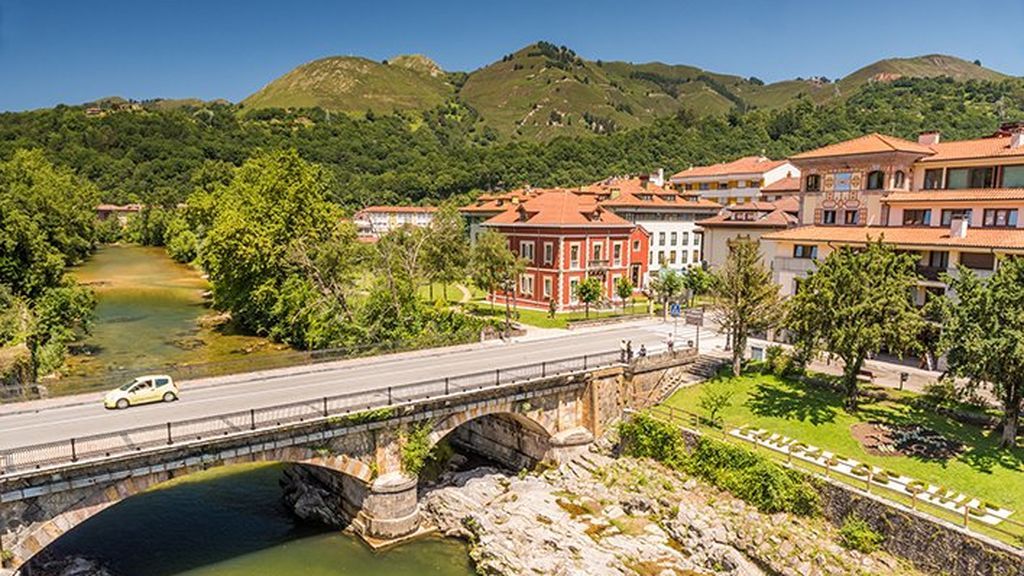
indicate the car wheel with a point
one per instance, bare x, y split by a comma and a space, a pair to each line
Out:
170, 397
122, 403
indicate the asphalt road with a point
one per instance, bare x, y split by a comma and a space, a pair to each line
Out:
52, 423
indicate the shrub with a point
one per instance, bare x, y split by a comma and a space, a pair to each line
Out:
646, 437
415, 448
857, 534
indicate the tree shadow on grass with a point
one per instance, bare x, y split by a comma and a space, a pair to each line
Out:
793, 401
982, 451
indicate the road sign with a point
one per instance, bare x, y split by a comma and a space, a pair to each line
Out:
675, 309
695, 316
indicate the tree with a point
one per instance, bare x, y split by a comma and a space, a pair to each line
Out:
715, 397
447, 251
698, 281
624, 290
589, 291
982, 336
491, 262
666, 286
745, 297
855, 304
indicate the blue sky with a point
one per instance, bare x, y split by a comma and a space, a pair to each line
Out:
72, 51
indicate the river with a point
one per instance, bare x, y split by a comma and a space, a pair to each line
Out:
231, 522
150, 314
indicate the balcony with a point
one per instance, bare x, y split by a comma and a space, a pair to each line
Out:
931, 273
597, 264
786, 264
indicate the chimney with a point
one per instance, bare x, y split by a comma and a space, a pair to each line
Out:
929, 138
958, 228
1017, 138
644, 179
659, 178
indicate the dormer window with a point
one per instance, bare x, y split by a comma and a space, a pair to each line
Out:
813, 182
876, 180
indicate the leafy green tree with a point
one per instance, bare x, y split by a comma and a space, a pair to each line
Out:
855, 304
491, 262
698, 281
982, 336
447, 252
715, 397
745, 298
624, 290
61, 315
589, 291
667, 286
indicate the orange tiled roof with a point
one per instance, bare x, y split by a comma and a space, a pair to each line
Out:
791, 184
961, 195
788, 204
979, 148
870, 144
495, 202
1006, 238
776, 218
666, 200
558, 208
744, 165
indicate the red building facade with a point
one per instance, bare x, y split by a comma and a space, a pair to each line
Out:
566, 238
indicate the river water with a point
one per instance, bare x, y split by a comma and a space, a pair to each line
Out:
231, 522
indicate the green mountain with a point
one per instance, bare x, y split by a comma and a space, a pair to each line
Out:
353, 84
543, 90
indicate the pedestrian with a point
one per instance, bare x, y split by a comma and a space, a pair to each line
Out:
629, 350
622, 350
670, 342
642, 352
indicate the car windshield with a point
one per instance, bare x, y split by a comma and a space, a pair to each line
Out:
129, 385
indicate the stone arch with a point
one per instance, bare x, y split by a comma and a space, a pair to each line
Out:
499, 432
74, 507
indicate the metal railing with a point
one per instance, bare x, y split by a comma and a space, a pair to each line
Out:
134, 440
1008, 530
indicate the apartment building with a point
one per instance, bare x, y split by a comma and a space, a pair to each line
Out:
950, 203
566, 237
375, 221
735, 182
489, 205
746, 222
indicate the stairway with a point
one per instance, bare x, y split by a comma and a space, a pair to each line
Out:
706, 366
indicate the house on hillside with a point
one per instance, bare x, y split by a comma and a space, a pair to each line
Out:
375, 221
736, 182
746, 222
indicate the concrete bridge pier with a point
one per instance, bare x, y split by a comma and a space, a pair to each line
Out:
390, 510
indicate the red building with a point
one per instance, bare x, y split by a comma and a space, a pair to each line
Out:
565, 238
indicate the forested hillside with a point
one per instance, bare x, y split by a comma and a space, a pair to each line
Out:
151, 155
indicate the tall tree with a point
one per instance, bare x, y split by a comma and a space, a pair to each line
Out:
666, 286
745, 298
589, 291
447, 252
491, 262
697, 281
983, 336
855, 304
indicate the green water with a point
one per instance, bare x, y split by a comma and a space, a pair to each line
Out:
150, 314
231, 522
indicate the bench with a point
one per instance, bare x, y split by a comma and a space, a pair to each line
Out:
865, 375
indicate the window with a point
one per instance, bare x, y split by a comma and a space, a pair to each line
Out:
696, 239
674, 240
813, 182
705, 186
1013, 176
617, 254
899, 179
949, 215
876, 180
938, 259
851, 217
598, 251
805, 251
917, 217
686, 238
650, 257
828, 216
672, 257
683, 257
723, 185
574, 256
959, 178
636, 245
549, 252
661, 238
696, 256
526, 284
526, 250
661, 258
547, 287
978, 260
933, 179
1000, 217
573, 284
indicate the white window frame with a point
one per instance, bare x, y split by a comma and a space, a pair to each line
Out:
597, 251
549, 252
523, 245
573, 283
616, 258
574, 265
526, 284
547, 285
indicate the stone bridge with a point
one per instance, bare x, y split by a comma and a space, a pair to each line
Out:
549, 418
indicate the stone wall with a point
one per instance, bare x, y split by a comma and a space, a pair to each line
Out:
502, 439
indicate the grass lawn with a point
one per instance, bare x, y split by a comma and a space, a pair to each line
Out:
540, 318
454, 294
815, 416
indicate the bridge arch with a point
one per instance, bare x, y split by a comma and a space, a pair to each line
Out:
515, 437
63, 512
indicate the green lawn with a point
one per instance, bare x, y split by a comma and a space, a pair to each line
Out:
815, 416
541, 319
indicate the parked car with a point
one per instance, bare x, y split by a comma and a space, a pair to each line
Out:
142, 390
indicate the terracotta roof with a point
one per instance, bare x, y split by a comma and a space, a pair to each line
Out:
666, 201
962, 195
1008, 238
775, 219
400, 209
745, 165
870, 144
788, 204
633, 185
791, 184
980, 148
558, 208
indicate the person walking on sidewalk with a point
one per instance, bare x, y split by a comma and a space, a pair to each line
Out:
622, 350
670, 343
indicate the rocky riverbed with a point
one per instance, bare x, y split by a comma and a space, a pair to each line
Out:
611, 516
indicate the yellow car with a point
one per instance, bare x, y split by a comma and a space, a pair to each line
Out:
142, 390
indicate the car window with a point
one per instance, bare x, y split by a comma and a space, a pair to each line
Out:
128, 385
162, 381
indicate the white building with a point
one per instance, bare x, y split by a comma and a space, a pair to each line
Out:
375, 221
735, 182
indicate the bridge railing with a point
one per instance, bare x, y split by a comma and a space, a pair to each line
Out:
133, 440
